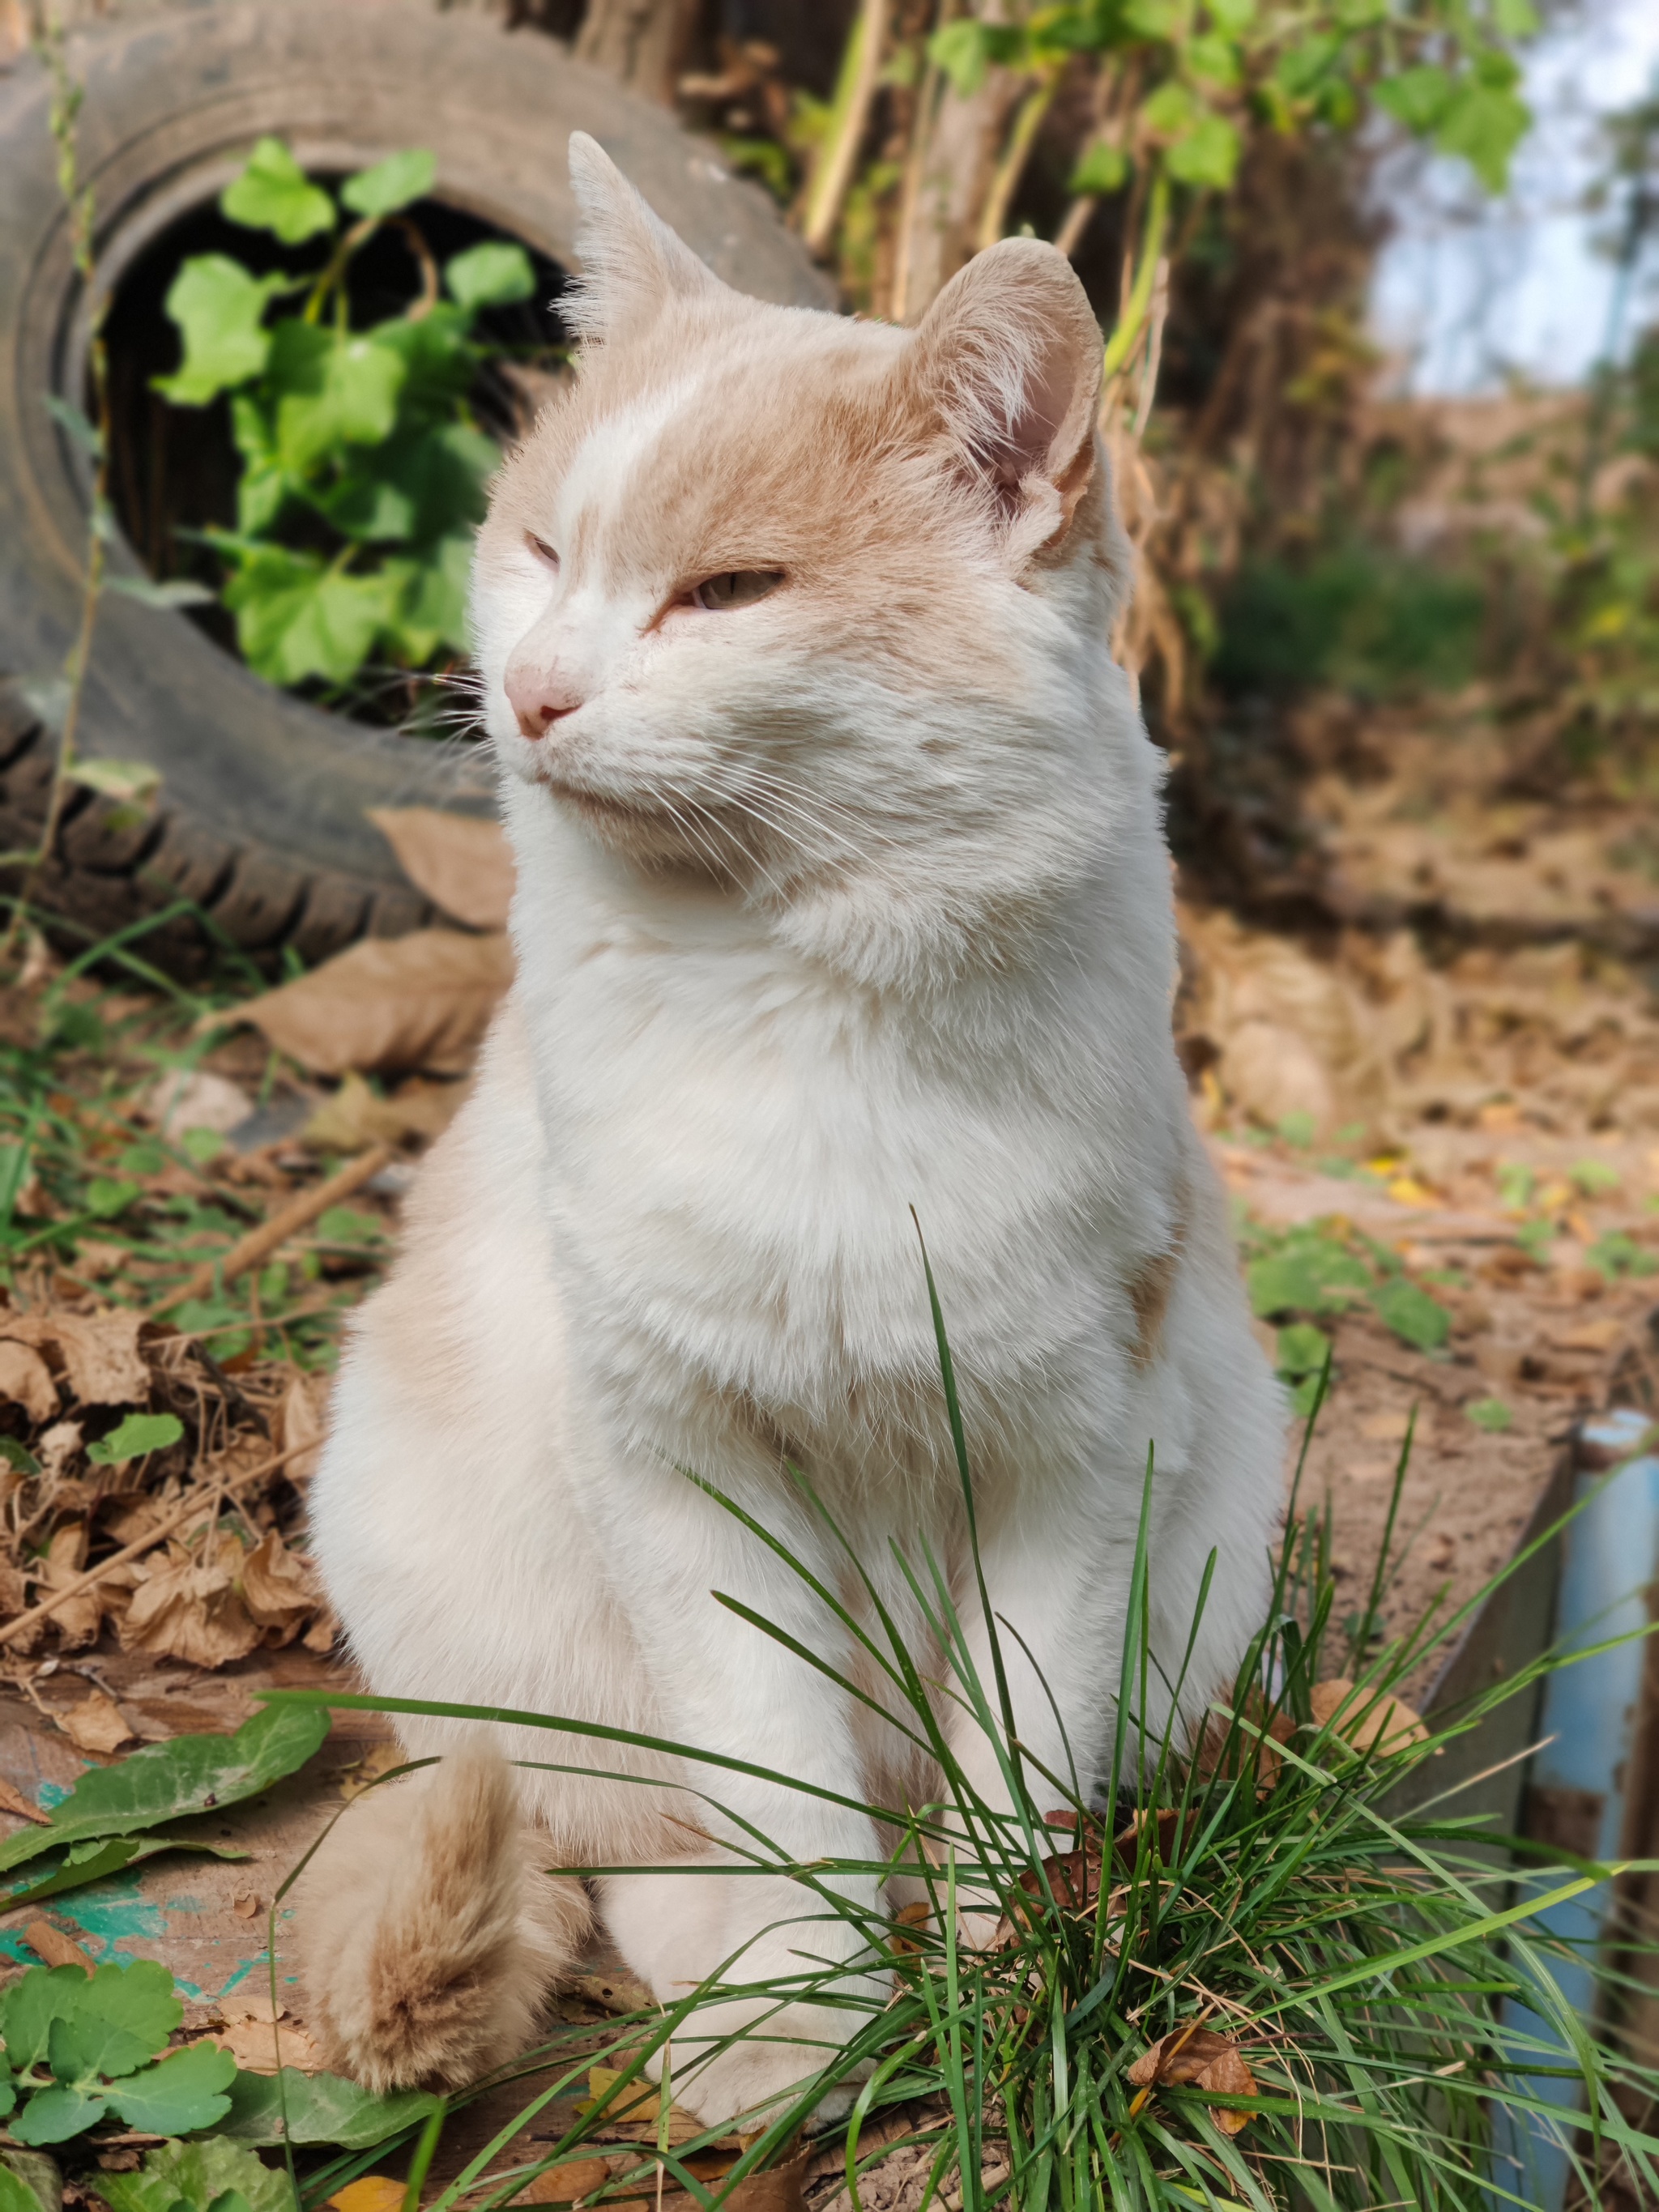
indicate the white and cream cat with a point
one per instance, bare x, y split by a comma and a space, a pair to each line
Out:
842, 890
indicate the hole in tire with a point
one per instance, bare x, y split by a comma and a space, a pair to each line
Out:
176, 468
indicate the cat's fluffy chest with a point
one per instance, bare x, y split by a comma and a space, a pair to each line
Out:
734, 1143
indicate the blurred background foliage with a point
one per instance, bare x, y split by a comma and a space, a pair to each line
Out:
1211, 168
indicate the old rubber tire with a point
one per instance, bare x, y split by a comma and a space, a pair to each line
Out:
261, 819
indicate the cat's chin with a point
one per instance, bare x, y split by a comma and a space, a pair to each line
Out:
647, 836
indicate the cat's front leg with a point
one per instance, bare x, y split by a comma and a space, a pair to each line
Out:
790, 1795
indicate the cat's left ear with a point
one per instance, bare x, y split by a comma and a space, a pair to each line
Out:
1007, 361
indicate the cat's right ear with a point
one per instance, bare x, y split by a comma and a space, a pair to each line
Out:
1006, 363
631, 262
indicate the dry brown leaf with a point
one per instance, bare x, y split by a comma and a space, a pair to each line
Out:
102, 1363
196, 1099
379, 1758
25, 1381
304, 1414
1371, 1716
356, 1117
1198, 2058
564, 2184
463, 864
634, 2114
260, 2045
373, 2192
57, 1447
323, 1633
95, 1724
189, 1610
1590, 1335
78, 1619
52, 1944
13, 1590
389, 1004
12, 1800
278, 1589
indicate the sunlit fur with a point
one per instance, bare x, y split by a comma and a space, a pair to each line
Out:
846, 901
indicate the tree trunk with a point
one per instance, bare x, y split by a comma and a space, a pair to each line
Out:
644, 42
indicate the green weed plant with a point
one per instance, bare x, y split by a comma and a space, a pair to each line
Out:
1289, 1879
363, 467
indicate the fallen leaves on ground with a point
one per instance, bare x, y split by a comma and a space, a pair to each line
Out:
1199, 2058
1370, 1719
95, 1724
388, 1005
462, 862
263, 2044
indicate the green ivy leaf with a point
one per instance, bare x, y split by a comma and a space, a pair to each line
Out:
196, 2175
1207, 155
297, 618
492, 275
321, 2108
1302, 1350
1103, 170
1491, 1413
191, 1774
1214, 58
1232, 17
1484, 123
274, 193
219, 309
1156, 19
392, 183
1412, 1314
434, 608
334, 392
185, 2091
1417, 97
1300, 68
137, 1434
19, 1456
1172, 109
966, 49
86, 2048
53, 2115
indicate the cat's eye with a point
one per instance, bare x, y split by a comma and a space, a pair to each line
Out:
541, 548
737, 587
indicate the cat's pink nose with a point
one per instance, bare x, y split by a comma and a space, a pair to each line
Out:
538, 697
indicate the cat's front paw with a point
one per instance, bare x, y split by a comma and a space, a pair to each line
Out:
765, 2067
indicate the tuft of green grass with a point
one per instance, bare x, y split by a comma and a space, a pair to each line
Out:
1285, 1880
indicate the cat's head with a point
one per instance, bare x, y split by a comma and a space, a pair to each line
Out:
818, 606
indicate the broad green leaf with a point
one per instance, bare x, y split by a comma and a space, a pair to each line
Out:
30, 2005
296, 618
1490, 1413
1213, 58
1104, 169
106, 1198
16, 2195
489, 276
186, 2092
434, 607
1156, 19
1206, 155
7, 2097
171, 591
274, 193
264, 483
322, 2108
137, 1434
196, 2175
392, 183
1417, 97
94, 1861
333, 392
1231, 16
18, 1456
1516, 19
1302, 1349
1171, 110
86, 2048
219, 309
439, 361
1300, 68
963, 50
1411, 1313
191, 1774
368, 508
1484, 123
53, 2115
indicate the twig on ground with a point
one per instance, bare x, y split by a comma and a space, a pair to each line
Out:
259, 1243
